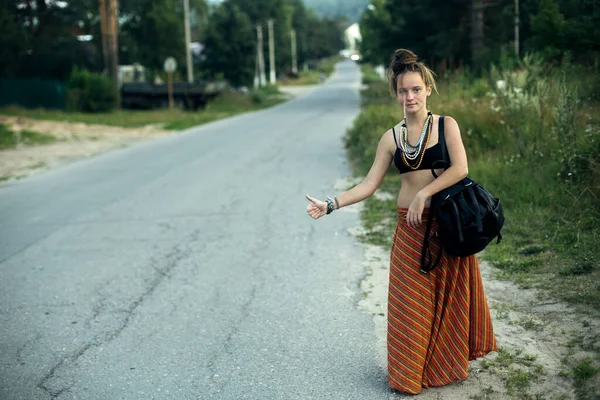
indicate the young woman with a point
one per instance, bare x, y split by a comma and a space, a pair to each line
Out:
440, 320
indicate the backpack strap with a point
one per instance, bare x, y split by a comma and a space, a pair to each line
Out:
442, 139
428, 266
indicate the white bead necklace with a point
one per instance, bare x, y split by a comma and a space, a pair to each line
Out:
412, 152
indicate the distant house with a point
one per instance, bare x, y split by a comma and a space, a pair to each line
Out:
351, 37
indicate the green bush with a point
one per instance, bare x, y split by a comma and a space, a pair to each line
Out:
90, 92
265, 96
368, 128
369, 76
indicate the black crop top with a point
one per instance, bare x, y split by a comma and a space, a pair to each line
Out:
432, 154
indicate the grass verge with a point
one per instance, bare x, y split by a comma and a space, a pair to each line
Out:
226, 105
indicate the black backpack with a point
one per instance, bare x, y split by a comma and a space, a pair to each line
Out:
468, 216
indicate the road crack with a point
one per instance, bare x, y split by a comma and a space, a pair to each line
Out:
163, 269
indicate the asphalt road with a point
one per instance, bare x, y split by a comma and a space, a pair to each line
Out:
187, 268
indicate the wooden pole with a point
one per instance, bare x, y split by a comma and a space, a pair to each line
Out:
272, 74
261, 57
188, 39
103, 32
294, 52
517, 27
111, 48
170, 89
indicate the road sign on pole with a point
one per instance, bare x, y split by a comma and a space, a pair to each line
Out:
170, 66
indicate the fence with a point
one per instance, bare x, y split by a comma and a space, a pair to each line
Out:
32, 93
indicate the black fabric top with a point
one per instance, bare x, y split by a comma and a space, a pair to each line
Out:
432, 154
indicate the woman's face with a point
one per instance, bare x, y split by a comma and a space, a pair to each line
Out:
412, 92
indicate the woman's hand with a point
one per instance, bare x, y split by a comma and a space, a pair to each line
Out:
316, 208
415, 211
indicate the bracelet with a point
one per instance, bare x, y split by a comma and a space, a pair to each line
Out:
330, 206
337, 203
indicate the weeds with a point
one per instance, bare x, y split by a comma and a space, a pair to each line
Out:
10, 139
518, 371
582, 372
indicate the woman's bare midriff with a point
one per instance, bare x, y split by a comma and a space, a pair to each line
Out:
412, 182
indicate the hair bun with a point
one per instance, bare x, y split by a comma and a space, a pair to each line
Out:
404, 56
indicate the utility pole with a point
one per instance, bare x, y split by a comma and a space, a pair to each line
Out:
517, 27
261, 57
295, 54
272, 74
104, 30
109, 27
188, 39
256, 70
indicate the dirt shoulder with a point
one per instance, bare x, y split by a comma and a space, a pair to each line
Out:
75, 141
537, 340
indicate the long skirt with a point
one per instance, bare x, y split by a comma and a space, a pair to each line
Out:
437, 321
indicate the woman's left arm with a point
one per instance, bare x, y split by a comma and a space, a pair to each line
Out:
458, 170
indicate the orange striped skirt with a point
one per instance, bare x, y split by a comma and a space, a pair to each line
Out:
437, 321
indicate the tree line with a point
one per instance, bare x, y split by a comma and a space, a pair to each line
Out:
230, 36
474, 33
48, 38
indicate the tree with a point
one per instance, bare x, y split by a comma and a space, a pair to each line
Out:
548, 28
38, 38
230, 45
153, 32
372, 24
12, 39
281, 12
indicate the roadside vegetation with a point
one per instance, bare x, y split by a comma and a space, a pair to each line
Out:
312, 76
10, 139
225, 105
532, 134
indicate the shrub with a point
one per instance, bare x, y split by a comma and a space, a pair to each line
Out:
90, 92
368, 128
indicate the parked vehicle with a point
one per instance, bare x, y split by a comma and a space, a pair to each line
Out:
191, 96
137, 93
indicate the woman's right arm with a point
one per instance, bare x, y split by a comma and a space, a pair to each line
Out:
368, 186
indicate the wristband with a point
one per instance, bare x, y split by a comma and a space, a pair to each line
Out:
330, 206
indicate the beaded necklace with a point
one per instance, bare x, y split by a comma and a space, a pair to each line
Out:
413, 155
